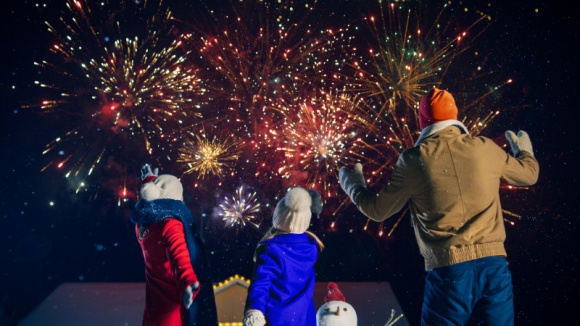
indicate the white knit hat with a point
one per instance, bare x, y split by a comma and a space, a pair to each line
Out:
164, 186
293, 212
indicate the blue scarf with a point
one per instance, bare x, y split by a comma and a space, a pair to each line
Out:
202, 312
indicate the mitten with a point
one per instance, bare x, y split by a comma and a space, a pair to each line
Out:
519, 143
188, 295
351, 181
148, 175
254, 317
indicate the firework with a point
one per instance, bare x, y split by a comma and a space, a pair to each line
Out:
240, 209
404, 60
303, 100
121, 78
262, 56
262, 53
209, 155
324, 134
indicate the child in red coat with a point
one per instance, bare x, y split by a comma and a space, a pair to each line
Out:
178, 286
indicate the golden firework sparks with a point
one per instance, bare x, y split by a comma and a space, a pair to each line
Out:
119, 76
209, 154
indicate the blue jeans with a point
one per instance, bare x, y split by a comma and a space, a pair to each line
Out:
477, 292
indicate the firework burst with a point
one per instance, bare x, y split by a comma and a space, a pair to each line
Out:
404, 60
322, 135
122, 77
263, 53
240, 209
209, 155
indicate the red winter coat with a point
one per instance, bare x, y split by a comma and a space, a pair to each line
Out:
168, 272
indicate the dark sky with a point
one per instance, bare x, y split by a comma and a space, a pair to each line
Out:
83, 238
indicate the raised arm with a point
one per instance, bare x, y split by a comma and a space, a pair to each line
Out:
522, 169
378, 207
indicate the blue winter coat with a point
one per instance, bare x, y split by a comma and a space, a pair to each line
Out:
283, 283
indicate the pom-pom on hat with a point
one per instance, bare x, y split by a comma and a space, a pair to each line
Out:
438, 105
334, 293
164, 186
293, 212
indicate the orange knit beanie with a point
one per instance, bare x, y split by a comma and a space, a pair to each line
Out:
438, 105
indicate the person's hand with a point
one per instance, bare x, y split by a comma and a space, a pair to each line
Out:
188, 296
351, 180
520, 142
148, 175
254, 317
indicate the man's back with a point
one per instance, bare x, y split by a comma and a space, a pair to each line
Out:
451, 182
454, 197
454, 175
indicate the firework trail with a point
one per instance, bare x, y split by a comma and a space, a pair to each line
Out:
120, 78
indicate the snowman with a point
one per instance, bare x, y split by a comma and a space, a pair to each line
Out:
335, 311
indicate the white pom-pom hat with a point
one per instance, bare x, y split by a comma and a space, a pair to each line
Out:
294, 211
164, 186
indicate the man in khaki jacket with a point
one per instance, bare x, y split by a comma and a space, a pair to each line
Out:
450, 180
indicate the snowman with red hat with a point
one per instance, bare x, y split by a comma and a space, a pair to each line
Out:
335, 311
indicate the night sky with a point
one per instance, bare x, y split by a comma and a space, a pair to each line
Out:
50, 234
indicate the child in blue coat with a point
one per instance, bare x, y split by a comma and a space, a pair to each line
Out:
283, 282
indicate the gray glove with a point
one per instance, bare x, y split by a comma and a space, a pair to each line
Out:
148, 175
254, 317
188, 295
519, 143
350, 181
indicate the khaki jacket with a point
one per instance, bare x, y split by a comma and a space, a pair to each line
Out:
451, 182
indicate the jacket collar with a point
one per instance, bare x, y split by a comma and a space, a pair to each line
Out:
436, 127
